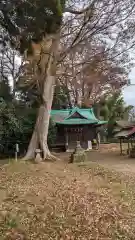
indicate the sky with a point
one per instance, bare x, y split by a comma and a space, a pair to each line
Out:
129, 92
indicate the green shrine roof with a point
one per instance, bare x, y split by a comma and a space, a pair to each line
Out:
75, 116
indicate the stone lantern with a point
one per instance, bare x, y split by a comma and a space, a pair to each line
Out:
38, 157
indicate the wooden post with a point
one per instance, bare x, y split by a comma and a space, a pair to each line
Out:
66, 140
121, 146
16, 151
16, 156
131, 143
128, 147
98, 140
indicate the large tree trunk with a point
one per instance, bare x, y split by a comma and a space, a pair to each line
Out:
44, 115
48, 67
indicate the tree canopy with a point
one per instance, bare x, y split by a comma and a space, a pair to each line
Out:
112, 109
25, 21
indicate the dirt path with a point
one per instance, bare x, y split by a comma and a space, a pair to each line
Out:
114, 161
109, 156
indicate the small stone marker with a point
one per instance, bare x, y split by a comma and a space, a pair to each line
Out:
38, 157
78, 155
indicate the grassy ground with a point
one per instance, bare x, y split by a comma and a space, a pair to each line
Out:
65, 202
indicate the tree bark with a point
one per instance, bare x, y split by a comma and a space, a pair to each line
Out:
32, 145
48, 67
44, 117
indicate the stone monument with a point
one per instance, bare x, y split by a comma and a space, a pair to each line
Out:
79, 154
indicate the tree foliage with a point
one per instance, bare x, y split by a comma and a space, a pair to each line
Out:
112, 109
61, 99
16, 121
27, 20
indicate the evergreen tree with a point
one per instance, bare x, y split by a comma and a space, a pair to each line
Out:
60, 99
33, 28
5, 90
112, 109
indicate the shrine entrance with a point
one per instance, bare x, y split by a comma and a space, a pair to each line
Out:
73, 134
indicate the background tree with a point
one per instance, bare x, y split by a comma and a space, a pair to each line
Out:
17, 119
60, 99
92, 80
10, 63
132, 114
112, 109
